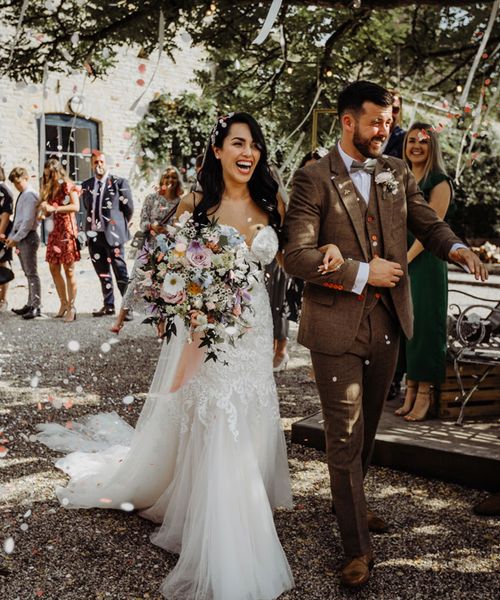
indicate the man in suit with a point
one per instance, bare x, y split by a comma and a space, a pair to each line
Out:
109, 207
394, 143
352, 314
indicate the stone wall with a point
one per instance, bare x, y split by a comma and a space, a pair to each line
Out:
107, 101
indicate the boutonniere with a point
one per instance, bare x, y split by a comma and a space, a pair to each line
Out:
388, 181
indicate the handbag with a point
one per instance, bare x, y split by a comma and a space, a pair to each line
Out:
138, 239
6, 275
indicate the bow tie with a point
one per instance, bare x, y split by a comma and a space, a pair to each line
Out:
368, 166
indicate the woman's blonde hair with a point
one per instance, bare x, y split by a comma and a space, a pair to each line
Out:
435, 160
171, 169
53, 180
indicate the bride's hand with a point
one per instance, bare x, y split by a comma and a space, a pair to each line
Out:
332, 260
160, 329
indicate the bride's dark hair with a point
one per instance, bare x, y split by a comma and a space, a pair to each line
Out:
262, 186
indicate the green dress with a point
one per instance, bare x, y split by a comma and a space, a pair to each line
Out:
426, 351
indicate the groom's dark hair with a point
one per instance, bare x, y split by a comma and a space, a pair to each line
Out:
352, 97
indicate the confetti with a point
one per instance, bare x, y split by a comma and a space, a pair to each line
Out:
127, 506
128, 400
3, 451
24, 527
141, 82
73, 346
334, 379
8, 545
105, 347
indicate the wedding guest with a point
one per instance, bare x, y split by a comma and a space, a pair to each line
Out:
108, 203
394, 147
353, 313
24, 236
277, 284
6, 205
425, 352
59, 200
394, 144
157, 211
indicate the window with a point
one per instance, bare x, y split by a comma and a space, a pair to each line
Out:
71, 139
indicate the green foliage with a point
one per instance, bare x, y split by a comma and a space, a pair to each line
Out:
173, 130
475, 211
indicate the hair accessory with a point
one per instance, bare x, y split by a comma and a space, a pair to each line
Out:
222, 122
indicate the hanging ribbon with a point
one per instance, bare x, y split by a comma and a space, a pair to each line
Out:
479, 53
299, 126
41, 154
269, 22
161, 39
16, 36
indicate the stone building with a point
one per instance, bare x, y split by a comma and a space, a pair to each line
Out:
78, 113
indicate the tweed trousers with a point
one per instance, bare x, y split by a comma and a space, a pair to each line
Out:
352, 388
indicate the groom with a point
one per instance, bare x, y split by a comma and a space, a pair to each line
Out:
352, 315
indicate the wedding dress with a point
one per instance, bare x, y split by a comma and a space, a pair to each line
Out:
207, 461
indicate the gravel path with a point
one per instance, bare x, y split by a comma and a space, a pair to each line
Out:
437, 548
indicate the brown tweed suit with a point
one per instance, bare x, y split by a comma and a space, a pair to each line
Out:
354, 338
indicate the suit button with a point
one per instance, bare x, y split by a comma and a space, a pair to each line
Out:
361, 297
374, 237
370, 219
377, 295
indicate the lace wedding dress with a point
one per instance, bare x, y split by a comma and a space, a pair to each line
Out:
208, 462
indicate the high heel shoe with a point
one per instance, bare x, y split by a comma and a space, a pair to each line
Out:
411, 394
281, 366
62, 311
423, 402
70, 315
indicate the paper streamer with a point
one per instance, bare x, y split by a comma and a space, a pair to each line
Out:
479, 53
41, 154
161, 39
268, 23
16, 36
299, 126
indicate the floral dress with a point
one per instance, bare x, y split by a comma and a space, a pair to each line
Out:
154, 211
61, 244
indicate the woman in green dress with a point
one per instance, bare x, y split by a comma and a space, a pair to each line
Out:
425, 353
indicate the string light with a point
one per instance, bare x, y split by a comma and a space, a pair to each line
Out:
289, 70
329, 73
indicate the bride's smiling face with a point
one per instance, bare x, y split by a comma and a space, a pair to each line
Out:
239, 154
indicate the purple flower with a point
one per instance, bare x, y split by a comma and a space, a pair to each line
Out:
198, 255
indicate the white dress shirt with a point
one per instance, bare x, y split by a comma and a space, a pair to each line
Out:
363, 181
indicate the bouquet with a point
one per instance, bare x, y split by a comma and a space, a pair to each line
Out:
201, 275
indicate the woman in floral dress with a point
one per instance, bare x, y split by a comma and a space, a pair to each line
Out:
158, 208
60, 200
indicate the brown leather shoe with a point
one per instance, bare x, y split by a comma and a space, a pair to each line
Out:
376, 524
489, 507
356, 570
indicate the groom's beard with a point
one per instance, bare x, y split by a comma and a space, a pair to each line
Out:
363, 145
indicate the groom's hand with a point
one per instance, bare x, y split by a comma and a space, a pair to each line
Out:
384, 273
469, 262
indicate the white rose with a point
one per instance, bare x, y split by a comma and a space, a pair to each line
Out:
383, 177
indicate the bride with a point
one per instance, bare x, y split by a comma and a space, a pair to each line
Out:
207, 458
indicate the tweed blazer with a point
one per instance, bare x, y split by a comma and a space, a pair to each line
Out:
324, 209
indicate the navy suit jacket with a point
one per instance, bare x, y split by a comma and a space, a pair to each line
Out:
117, 208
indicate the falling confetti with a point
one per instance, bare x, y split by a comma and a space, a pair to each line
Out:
73, 346
8, 545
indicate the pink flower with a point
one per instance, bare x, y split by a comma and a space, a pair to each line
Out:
176, 298
198, 255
